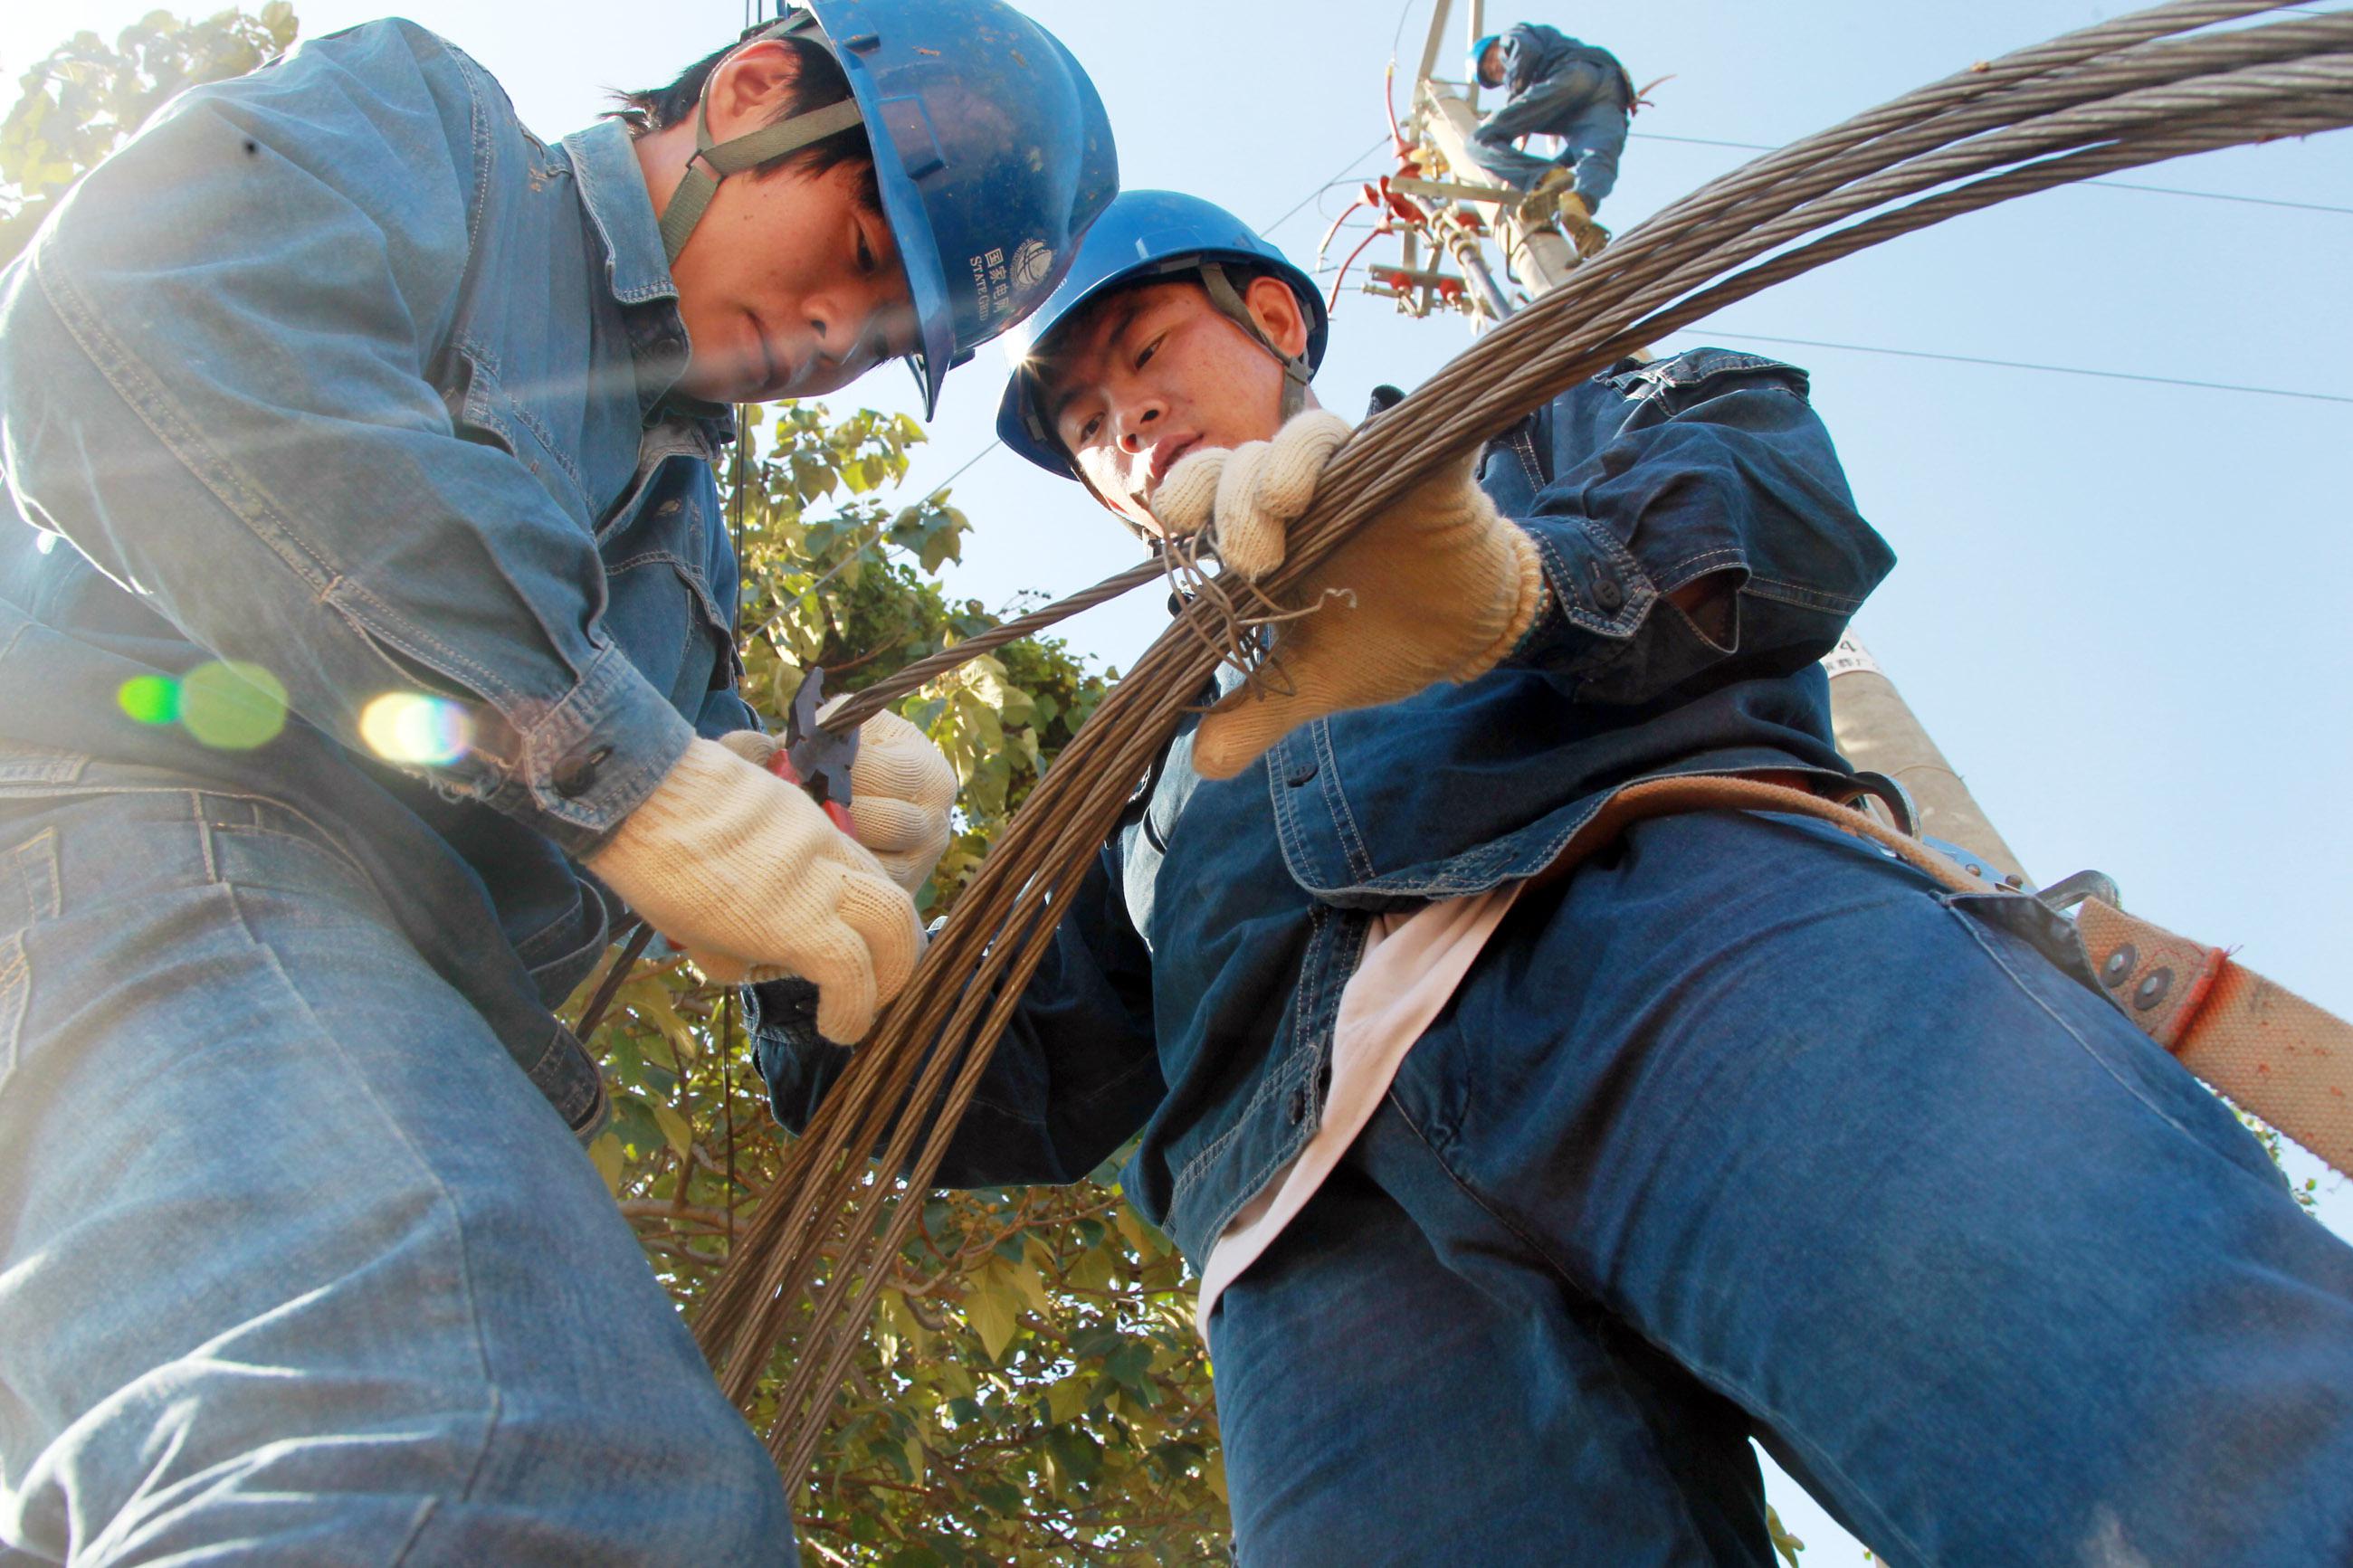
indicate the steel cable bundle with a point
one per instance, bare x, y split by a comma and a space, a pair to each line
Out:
809, 1266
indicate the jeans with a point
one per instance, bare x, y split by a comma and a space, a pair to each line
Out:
1747, 1130
296, 1265
1582, 107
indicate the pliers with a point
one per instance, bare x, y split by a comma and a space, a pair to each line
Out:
814, 757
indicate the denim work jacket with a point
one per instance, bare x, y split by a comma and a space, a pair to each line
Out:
1534, 53
1192, 988
336, 370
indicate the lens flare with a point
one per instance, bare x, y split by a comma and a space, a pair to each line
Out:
150, 698
232, 706
403, 727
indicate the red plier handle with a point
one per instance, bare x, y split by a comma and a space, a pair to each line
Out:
780, 762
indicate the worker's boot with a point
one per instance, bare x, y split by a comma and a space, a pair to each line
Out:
1588, 236
1551, 199
1543, 199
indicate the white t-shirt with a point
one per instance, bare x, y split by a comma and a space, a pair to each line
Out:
1411, 964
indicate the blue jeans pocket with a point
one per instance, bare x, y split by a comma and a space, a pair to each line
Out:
282, 856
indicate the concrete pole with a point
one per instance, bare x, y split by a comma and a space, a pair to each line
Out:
1541, 257
1879, 733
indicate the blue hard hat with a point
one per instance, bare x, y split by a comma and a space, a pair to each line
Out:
992, 152
1479, 52
1143, 236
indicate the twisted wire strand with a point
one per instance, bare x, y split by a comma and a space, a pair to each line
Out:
2121, 94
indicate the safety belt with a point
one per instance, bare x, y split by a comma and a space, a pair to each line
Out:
2264, 1047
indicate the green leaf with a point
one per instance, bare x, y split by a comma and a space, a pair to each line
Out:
955, 1381
652, 1003
1147, 1242
1093, 1269
939, 546
1068, 1399
993, 1313
604, 1154
1077, 1451
675, 1132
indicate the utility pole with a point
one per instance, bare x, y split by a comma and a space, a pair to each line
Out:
1441, 197
1879, 733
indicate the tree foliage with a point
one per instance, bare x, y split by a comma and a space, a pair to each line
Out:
87, 97
1032, 1390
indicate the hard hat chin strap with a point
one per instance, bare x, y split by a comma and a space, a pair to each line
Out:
1297, 371
714, 161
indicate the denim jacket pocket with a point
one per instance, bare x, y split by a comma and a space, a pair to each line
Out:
660, 608
484, 410
663, 551
27, 767
30, 769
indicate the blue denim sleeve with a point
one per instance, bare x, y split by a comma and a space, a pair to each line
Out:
724, 713
1076, 1075
216, 382
1708, 466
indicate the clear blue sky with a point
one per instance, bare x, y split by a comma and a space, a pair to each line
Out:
2120, 605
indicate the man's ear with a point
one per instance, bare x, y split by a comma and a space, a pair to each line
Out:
749, 86
1278, 313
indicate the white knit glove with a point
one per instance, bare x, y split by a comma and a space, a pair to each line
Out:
1248, 497
1436, 586
749, 876
899, 792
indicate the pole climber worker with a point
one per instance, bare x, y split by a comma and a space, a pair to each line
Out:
1524, 1194
368, 443
1556, 85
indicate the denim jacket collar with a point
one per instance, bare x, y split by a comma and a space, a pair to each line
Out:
613, 191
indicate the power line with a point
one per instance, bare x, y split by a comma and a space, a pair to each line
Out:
2218, 197
968, 462
2112, 185
1700, 141
1398, 37
1378, 142
2024, 365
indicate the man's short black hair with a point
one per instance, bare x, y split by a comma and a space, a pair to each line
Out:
820, 81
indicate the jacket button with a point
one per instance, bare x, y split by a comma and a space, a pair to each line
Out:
578, 776
1299, 776
1608, 592
1298, 1107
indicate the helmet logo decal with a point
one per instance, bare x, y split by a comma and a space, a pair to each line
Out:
1033, 263
1000, 287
